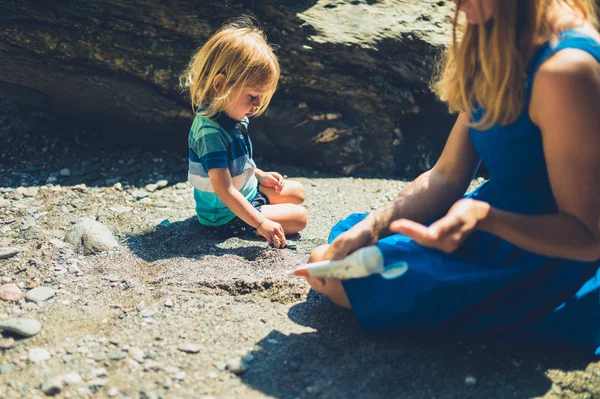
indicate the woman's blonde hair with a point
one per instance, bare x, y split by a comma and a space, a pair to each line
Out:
487, 67
240, 52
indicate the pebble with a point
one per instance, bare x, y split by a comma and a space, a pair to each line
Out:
169, 303
190, 348
120, 209
80, 188
97, 382
58, 243
52, 387
37, 355
139, 194
10, 292
470, 380
162, 184
21, 326
93, 236
27, 223
31, 306
118, 186
137, 354
161, 204
116, 355
180, 376
8, 252
7, 343
113, 392
65, 172
40, 294
181, 186
151, 187
71, 379
237, 366
149, 312
4, 203
6, 368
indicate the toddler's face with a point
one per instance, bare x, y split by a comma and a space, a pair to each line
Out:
471, 10
244, 104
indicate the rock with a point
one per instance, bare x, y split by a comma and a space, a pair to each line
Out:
80, 188
6, 368
470, 380
120, 209
189, 348
148, 312
40, 294
8, 252
237, 366
169, 303
151, 187
113, 392
4, 203
116, 355
28, 222
137, 354
71, 379
7, 343
65, 172
52, 387
10, 292
37, 355
139, 194
181, 186
91, 236
57, 243
162, 184
21, 326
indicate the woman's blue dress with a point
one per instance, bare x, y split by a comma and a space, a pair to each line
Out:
489, 287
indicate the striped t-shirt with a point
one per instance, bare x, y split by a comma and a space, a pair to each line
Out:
219, 142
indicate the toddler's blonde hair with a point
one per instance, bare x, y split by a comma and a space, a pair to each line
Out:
240, 52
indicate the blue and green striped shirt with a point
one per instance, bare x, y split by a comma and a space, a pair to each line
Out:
219, 142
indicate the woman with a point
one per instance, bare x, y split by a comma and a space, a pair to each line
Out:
518, 258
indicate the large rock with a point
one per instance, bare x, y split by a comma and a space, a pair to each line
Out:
353, 94
90, 236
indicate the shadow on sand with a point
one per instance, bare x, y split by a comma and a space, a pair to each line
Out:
338, 360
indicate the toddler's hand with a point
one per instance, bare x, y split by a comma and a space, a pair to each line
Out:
273, 232
271, 179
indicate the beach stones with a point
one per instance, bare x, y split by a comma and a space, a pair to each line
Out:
91, 236
8, 252
21, 326
39, 294
10, 292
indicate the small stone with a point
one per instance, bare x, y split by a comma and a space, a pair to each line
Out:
139, 194
99, 357
149, 312
31, 306
116, 355
113, 392
97, 382
470, 380
71, 379
7, 343
39, 294
80, 188
190, 348
120, 209
179, 376
65, 172
4, 203
237, 366
161, 204
58, 243
118, 186
162, 184
151, 187
8, 252
137, 354
99, 372
52, 387
6, 368
10, 292
30, 192
21, 326
169, 303
181, 186
37, 355
27, 223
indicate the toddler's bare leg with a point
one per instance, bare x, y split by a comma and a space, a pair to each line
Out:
292, 193
293, 218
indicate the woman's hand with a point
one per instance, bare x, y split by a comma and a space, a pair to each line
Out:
449, 232
359, 236
271, 179
273, 232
